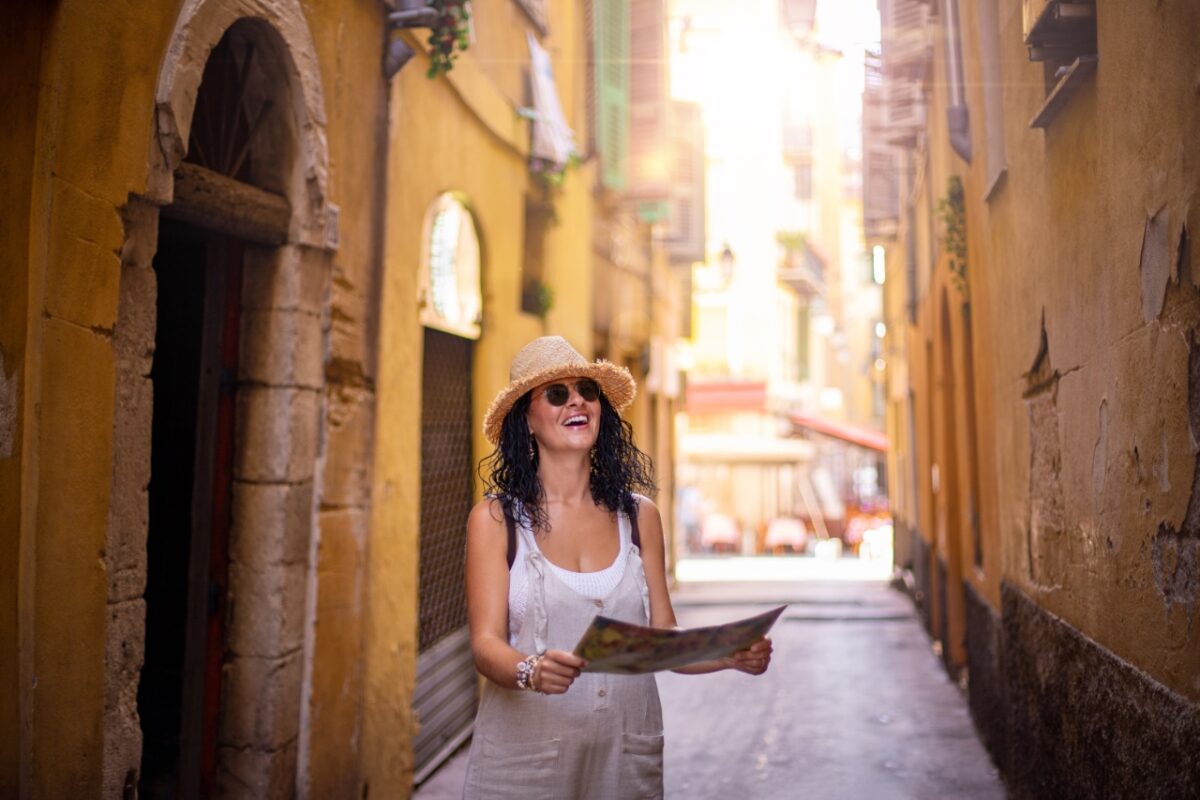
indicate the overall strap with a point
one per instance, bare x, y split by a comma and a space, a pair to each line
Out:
635, 535
511, 525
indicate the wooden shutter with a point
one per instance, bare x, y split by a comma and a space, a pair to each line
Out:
881, 161
611, 28
907, 47
649, 101
685, 215
907, 37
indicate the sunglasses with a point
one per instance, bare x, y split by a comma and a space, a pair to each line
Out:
557, 394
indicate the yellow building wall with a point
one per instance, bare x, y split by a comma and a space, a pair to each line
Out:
1068, 228
79, 155
348, 38
459, 133
1090, 528
92, 129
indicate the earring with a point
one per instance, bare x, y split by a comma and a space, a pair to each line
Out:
533, 451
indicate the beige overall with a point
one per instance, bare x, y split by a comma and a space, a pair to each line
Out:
601, 739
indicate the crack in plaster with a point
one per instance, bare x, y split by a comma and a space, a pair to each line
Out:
1100, 454
1047, 507
1155, 264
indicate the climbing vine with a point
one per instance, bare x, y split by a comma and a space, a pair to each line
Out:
952, 210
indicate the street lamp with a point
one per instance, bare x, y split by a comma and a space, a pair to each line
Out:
727, 262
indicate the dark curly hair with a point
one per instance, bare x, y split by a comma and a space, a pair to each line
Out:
618, 470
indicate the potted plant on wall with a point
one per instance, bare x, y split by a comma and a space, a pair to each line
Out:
953, 212
449, 34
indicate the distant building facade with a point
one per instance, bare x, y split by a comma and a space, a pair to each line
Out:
784, 307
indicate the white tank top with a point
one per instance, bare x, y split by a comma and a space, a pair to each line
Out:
592, 585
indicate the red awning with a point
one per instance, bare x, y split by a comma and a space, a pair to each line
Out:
724, 396
863, 437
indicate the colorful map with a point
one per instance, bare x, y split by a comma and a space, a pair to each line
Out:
625, 649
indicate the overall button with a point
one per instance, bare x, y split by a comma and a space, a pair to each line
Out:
601, 693
599, 603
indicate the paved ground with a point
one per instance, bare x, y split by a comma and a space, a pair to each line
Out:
855, 705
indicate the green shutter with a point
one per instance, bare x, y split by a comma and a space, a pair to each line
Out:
612, 90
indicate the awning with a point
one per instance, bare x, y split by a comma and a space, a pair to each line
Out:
734, 449
853, 434
726, 395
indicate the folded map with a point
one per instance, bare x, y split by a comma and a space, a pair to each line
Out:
609, 645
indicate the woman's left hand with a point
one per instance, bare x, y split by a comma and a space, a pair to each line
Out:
755, 659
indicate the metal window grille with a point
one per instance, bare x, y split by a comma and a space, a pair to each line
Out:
446, 469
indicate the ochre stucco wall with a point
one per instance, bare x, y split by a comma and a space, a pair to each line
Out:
94, 114
1084, 484
348, 38
458, 133
1067, 242
83, 153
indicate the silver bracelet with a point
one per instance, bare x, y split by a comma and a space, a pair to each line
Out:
525, 670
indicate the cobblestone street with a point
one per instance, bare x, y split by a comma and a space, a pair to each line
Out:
855, 705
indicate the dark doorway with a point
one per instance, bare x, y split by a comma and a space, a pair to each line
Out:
194, 379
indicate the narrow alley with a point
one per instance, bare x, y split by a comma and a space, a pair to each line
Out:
890, 307
855, 705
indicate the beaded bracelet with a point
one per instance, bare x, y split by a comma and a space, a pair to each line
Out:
525, 672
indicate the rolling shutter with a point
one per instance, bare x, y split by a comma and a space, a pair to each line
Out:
444, 698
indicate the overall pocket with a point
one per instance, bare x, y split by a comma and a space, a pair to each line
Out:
516, 770
641, 775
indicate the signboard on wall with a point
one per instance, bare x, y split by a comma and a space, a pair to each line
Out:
450, 295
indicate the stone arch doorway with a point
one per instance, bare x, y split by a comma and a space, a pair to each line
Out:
232, 245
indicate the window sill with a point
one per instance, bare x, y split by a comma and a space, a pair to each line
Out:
1079, 71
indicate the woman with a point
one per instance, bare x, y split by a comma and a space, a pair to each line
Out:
562, 536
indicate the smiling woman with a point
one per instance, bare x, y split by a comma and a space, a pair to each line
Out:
565, 533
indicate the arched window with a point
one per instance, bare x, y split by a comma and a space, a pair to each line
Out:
450, 294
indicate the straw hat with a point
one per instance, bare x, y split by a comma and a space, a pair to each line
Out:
547, 359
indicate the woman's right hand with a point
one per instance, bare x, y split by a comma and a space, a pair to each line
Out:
556, 671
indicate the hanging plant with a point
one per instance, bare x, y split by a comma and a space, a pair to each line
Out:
953, 212
449, 35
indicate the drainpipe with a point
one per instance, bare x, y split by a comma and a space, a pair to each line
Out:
910, 238
957, 116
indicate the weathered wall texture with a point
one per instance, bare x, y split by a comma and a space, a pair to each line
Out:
1079, 619
1082, 722
1088, 259
85, 172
